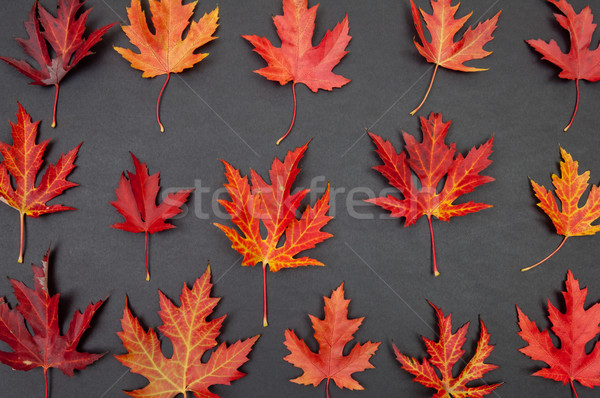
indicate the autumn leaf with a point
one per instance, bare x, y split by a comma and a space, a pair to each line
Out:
580, 62
166, 51
64, 34
575, 328
136, 202
444, 355
431, 160
570, 219
39, 342
22, 161
442, 50
191, 336
275, 207
333, 333
297, 60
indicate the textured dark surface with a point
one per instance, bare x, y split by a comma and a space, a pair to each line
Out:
221, 110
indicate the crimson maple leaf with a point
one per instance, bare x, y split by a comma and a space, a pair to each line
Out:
431, 160
580, 62
65, 36
23, 161
444, 355
192, 336
136, 202
165, 51
442, 50
574, 328
297, 60
274, 206
332, 333
570, 220
44, 346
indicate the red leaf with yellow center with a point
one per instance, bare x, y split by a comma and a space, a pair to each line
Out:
431, 160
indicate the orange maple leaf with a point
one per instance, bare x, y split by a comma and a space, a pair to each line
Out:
444, 354
23, 161
191, 336
332, 333
442, 50
165, 52
274, 206
570, 219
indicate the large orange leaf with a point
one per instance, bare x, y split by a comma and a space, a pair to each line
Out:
191, 336
332, 333
570, 219
580, 62
444, 355
23, 161
44, 346
442, 50
297, 60
431, 160
274, 206
575, 328
165, 51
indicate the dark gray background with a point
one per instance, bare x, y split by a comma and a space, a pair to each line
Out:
220, 109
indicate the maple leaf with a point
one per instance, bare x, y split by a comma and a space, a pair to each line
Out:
444, 355
166, 51
332, 333
575, 328
297, 60
23, 161
431, 160
44, 346
275, 207
570, 220
442, 50
65, 36
191, 336
580, 62
136, 202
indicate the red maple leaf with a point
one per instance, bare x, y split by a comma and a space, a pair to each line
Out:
136, 202
332, 333
297, 60
64, 34
444, 355
192, 336
274, 206
44, 346
442, 50
431, 160
575, 328
23, 161
580, 62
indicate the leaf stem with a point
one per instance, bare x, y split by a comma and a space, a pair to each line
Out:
55, 103
573, 387
327, 387
162, 129
46, 380
427, 93
576, 105
265, 322
146, 254
550, 255
22, 218
293, 115
435, 269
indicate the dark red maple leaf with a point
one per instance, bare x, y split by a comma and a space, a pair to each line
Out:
575, 328
431, 160
297, 60
136, 201
580, 62
44, 347
64, 34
